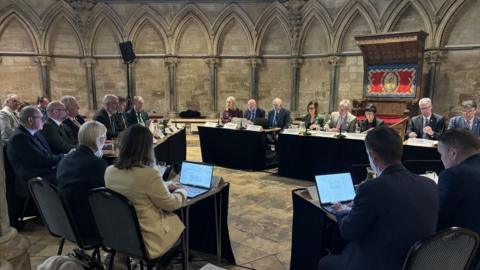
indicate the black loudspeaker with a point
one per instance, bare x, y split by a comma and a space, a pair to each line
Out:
126, 48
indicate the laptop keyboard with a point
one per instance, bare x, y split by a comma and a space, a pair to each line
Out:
194, 191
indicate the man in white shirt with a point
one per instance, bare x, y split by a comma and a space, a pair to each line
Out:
8, 117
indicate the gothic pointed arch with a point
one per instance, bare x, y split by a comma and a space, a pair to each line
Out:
364, 7
104, 15
13, 14
317, 28
183, 21
275, 15
233, 16
462, 9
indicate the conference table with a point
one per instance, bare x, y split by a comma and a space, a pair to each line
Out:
233, 148
304, 156
172, 149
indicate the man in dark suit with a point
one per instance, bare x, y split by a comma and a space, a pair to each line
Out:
73, 120
279, 117
389, 213
119, 116
29, 153
136, 115
468, 120
427, 125
105, 115
59, 138
253, 112
459, 183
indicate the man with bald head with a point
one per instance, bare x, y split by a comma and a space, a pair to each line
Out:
253, 112
59, 137
8, 117
136, 115
278, 117
106, 115
30, 151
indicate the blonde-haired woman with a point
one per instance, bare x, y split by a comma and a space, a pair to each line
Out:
231, 110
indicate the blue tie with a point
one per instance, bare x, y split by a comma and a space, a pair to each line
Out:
252, 116
275, 118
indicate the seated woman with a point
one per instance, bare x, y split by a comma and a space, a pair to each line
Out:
134, 176
313, 120
370, 120
230, 111
82, 170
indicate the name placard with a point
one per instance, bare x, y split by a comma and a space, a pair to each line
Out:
291, 131
254, 128
231, 126
211, 124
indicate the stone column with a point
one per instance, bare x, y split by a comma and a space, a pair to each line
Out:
13, 246
89, 64
131, 90
43, 61
171, 63
295, 65
213, 64
434, 59
254, 63
334, 61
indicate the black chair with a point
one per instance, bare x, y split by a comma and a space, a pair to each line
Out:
57, 217
119, 230
358, 172
449, 249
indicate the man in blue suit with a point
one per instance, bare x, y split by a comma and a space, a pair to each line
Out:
279, 117
468, 120
459, 183
389, 213
253, 112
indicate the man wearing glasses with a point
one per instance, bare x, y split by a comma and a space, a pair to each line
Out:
426, 125
30, 151
59, 137
468, 120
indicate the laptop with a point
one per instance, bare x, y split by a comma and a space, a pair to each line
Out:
332, 188
261, 122
197, 177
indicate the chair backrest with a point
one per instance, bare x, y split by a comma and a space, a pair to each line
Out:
117, 222
449, 249
52, 209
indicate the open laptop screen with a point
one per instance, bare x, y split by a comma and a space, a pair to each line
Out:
196, 174
335, 188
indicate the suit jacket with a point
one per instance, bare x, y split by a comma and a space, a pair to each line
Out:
74, 128
376, 121
390, 213
227, 115
30, 158
77, 173
437, 123
8, 123
102, 117
120, 121
59, 138
458, 189
460, 122
259, 113
149, 194
348, 124
131, 117
283, 119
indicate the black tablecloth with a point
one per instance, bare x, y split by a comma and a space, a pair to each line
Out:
304, 157
238, 149
174, 149
202, 226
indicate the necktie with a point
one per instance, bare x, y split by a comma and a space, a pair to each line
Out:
76, 123
469, 125
425, 123
112, 123
339, 122
252, 116
140, 119
275, 119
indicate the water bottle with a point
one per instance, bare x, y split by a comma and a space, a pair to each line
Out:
357, 128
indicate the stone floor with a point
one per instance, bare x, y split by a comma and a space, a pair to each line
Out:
260, 219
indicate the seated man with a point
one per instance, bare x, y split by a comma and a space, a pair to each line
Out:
253, 112
8, 117
119, 116
459, 183
389, 213
136, 115
468, 120
426, 125
278, 117
29, 152
343, 120
74, 120
59, 137
105, 115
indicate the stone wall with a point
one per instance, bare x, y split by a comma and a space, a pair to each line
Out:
218, 49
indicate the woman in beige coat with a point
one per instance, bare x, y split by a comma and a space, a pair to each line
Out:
134, 176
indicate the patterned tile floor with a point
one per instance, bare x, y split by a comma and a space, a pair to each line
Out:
260, 219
